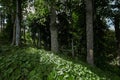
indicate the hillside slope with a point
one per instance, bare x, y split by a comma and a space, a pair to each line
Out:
33, 64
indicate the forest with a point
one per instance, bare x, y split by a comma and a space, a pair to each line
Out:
59, 39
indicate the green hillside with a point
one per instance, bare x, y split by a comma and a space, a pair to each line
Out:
33, 64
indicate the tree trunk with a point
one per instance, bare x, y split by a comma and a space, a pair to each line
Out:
53, 30
117, 34
17, 24
24, 35
72, 44
89, 31
20, 14
14, 35
39, 39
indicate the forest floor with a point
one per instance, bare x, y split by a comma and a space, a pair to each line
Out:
28, 63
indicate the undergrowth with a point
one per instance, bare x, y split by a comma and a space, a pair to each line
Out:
33, 64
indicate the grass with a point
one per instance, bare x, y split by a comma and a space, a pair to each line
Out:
29, 63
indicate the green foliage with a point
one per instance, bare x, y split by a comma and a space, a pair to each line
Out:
41, 10
32, 64
23, 64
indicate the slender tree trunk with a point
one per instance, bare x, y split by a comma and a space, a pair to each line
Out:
39, 39
17, 24
24, 35
117, 34
71, 25
13, 20
20, 15
14, 35
89, 30
72, 48
53, 30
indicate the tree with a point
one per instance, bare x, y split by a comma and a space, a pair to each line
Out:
53, 29
13, 23
89, 31
17, 23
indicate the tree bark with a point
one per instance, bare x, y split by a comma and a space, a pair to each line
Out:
89, 31
53, 30
13, 20
17, 24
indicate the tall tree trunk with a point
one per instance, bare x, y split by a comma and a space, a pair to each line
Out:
89, 30
13, 20
71, 25
53, 30
117, 34
14, 28
20, 14
17, 24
